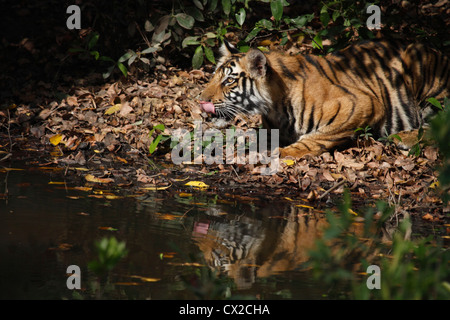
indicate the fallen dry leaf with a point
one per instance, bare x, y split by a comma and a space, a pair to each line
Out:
92, 178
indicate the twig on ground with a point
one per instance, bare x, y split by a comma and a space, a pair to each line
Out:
337, 185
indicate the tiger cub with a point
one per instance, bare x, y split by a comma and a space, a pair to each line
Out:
318, 102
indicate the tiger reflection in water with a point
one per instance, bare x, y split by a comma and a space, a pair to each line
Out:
257, 246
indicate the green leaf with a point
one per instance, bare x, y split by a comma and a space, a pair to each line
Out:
211, 35
226, 6
144, 60
264, 23
96, 54
108, 73
317, 42
209, 54
301, 21
189, 41
195, 13
198, 4
197, 59
122, 68
212, 5
336, 15
284, 39
184, 20
148, 26
276, 6
132, 59
446, 103
127, 56
252, 34
435, 103
240, 16
151, 49
324, 16
93, 40
154, 144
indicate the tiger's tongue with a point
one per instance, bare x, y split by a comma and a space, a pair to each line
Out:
207, 106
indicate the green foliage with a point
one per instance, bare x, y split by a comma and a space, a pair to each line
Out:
366, 134
410, 269
415, 270
192, 30
439, 132
342, 21
159, 138
390, 139
416, 149
109, 252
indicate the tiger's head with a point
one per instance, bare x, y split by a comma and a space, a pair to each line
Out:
239, 84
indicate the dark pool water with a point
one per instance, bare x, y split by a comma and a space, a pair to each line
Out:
174, 242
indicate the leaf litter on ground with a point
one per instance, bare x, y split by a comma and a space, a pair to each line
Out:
107, 129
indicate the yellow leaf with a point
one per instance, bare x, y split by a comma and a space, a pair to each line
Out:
304, 206
113, 109
83, 188
112, 197
121, 159
56, 152
56, 182
352, 212
184, 179
146, 279
56, 139
197, 184
434, 185
288, 162
265, 43
10, 169
80, 169
91, 178
155, 188
127, 284
167, 216
185, 195
300, 39
73, 197
337, 176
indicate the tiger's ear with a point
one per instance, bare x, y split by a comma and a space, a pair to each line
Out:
257, 63
227, 49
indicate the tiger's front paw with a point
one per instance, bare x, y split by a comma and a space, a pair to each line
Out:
293, 152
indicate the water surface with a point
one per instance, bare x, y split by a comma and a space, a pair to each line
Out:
174, 241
